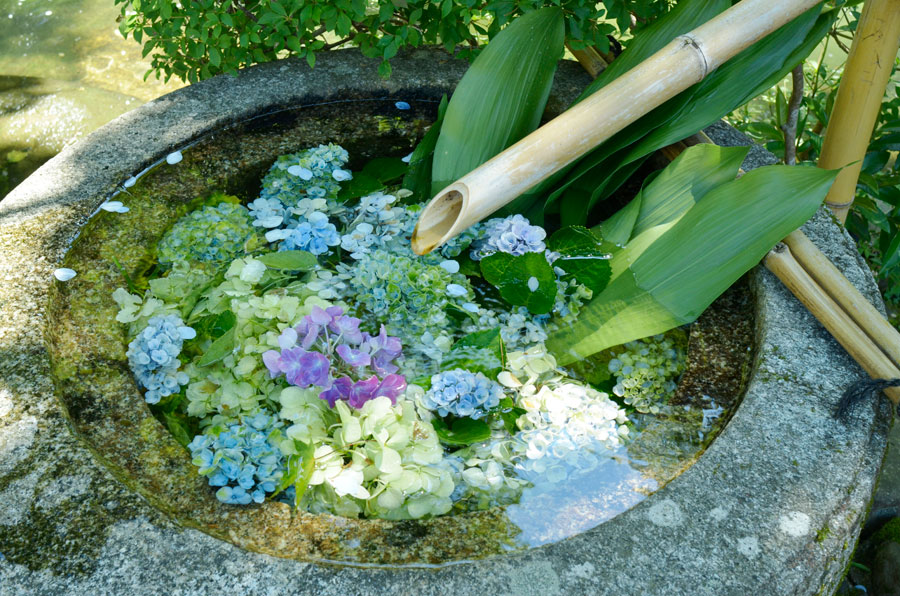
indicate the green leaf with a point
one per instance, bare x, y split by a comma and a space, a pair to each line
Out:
501, 97
385, 169
481, 351
359, 186
892, 255
685, 16
515, 277
671, 279
418, 177
179, 428
676, 189
509, 414
290, 260
299, 470
584, 256
781, 108
463, 431
219, 349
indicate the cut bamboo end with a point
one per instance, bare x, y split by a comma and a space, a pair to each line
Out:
781, 262
845, 294
439, 221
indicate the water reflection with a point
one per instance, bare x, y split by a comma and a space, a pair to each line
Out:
64, 71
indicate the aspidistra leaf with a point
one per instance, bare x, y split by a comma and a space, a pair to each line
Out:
680, 272
512, 77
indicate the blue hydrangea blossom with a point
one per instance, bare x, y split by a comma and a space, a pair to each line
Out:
462, 393
513, 235
153, 356
241, 458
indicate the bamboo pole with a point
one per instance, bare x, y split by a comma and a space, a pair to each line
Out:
781, 262
590, 60
858, 99
845, 294
685, 61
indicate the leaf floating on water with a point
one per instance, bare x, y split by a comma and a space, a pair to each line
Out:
290, 260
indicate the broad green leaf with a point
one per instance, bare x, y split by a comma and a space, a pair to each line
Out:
359, 186
385, 169
291, 260
892, 255
583, 256
526, 280
219, 349
685, 16
680, 272
739, 80
676, 189
418, 177
481, 351
734, 83
463, 431
509, 414
512, 76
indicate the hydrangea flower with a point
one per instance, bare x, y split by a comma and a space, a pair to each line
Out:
294, 176
267, 213
153, 356
513, 235
241, 458
407, 294
314, 234
327, 350
646, 372
376, 224
211, 235
462, 393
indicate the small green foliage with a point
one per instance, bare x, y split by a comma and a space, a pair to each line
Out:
480, 351
196, 40
526, 280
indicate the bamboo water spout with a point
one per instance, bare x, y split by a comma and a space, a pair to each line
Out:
685, 61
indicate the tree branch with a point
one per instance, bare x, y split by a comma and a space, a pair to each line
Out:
790, 126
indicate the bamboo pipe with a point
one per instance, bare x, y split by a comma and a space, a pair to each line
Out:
685, 61
845, 294
590, 60
858, 99
780, 262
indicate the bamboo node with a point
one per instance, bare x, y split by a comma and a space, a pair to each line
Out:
838, 205
689, 40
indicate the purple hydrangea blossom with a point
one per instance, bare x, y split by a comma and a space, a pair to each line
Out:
513, 235
327, 349
358, 393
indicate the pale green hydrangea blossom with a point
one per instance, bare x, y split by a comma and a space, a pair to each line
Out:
382, 460
646, 372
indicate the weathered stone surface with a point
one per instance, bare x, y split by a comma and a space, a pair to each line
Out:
773, 506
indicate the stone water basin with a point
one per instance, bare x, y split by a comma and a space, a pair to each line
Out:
92, 484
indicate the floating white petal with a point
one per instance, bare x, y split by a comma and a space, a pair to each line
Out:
533, 284
450, 266
130, 182
173, 158
64, 274
402, 105
407, 158
114, 207
341, 175
456, 290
